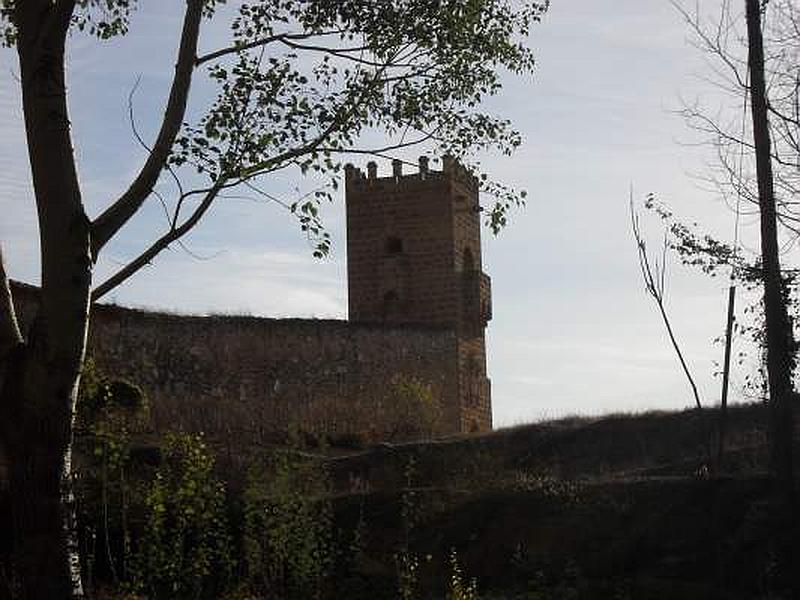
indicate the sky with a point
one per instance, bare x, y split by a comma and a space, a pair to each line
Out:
573, 330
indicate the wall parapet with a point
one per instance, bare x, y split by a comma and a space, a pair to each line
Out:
452, 170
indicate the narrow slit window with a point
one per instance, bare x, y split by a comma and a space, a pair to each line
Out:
469, 260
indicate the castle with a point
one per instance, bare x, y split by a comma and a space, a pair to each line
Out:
418, 307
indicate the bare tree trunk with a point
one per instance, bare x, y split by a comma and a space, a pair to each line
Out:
780, 359
780, 343
10, 336
39, 393
10, 347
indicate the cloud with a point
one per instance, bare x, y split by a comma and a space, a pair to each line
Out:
264, 283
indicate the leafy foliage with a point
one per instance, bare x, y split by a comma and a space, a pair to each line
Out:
303, 82
185, 551
103, 19
288, 526
460, 588
715, 258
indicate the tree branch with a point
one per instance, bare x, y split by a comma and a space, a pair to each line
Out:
714, 42
257, 43
113, 218
224, 181
654, 282
344, 53
160, 244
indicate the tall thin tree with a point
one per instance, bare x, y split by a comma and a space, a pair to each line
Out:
780, 343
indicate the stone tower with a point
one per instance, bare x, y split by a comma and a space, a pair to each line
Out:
414, 259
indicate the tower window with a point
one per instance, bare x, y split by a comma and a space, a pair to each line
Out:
394, 245
469, 260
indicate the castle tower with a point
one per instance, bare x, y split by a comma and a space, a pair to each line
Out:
414, 259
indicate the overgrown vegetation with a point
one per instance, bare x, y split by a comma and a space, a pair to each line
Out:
287, 540
460, 588
111, 410
408, 409
159, 521
185, 545
580, 508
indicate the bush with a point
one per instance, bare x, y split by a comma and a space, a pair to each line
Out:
288, 526
411, 410
185, 549
109, 410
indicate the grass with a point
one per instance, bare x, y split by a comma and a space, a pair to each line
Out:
622, 506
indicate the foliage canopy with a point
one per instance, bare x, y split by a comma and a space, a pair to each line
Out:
304, 83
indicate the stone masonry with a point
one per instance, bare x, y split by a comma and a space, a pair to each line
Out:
414, 259
418, 306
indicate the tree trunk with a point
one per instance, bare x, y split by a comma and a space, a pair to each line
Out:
38, 396
780, 344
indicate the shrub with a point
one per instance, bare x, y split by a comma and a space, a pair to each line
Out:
288, 526
459, 588
410, 409
109, 410
185, 549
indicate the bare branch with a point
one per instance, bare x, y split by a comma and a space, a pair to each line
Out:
137, 136
715, 42
345, 53
160, 244
381, 151
654, 283
235, 49
113, 218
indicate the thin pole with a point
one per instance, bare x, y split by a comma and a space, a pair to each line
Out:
726, 371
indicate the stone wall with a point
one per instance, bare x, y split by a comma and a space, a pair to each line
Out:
419, 303
251, 376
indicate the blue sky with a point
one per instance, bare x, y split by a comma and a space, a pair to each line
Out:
573, 330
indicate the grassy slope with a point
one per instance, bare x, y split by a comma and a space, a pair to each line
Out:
622, 506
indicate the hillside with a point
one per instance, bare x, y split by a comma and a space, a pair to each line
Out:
625, 506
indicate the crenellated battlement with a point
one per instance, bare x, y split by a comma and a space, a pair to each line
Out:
452, 170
